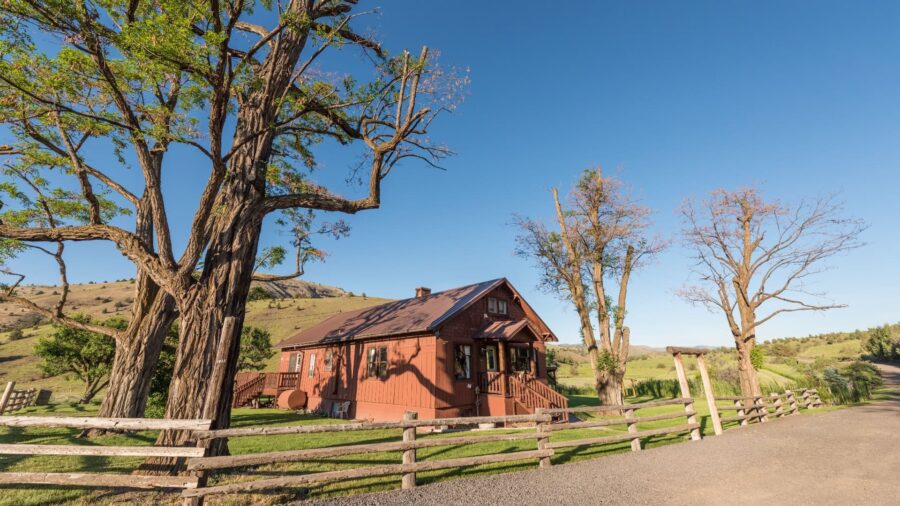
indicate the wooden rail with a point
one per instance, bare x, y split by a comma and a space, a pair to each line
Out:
408, 467
761, 408
104, 480
629, 420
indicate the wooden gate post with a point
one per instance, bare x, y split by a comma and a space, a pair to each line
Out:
7, 393
686, 394
409, 455
710, 396
632, 429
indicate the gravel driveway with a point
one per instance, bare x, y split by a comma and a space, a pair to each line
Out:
850, 456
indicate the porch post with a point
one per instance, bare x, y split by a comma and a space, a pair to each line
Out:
501, 346
531, 359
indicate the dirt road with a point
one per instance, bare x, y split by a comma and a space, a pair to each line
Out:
850, 456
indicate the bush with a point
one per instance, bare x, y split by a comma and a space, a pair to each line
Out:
882, 344
258, 293
16, 334
853, 383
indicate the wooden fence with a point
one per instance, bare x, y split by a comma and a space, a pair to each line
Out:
105, 480
538, 427
14, 400
761, 408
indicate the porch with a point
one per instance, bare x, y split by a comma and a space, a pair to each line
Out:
510, 376
250, 386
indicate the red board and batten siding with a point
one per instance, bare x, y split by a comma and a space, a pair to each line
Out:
409, 384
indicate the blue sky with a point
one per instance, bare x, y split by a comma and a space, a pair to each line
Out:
678, 98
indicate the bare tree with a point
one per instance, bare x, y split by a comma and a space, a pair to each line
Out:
601, 238
251, 101
753, 255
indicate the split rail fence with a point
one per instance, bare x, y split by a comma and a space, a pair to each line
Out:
760, 408
538, 427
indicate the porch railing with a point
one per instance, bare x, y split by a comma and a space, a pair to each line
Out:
490, 382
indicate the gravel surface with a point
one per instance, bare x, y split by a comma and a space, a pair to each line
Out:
850, 456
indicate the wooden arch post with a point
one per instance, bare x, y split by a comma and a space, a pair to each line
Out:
677, 352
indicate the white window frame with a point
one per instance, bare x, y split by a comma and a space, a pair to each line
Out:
311, 372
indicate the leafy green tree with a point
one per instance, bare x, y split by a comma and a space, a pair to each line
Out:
86, 355
244, 91
256, 349
882, 344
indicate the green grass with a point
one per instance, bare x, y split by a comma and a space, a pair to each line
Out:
246, 417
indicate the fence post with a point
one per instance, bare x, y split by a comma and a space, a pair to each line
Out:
686, 394
806, 400
409, 455
542, 439
762, 411
632, 429
779, 411
792, 401
7, 393
741, 412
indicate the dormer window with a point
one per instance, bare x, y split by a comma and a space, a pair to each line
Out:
497, 306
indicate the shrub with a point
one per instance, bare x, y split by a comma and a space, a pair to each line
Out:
258, 293
16, 334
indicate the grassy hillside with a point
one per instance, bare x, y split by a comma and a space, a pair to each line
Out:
282, 317
786, 360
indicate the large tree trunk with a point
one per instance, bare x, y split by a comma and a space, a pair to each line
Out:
609, 388
138, 352
136, 357
748, 376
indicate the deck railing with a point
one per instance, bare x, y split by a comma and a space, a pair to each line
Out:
491, 382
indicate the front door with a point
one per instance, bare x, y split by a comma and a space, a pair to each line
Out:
489, 369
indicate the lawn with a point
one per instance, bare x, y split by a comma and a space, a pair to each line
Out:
269, 417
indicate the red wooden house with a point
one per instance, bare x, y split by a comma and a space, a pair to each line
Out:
474, 350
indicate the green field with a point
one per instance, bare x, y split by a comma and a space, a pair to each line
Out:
776, 373
22, 496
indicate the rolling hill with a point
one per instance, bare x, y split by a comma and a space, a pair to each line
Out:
295, 305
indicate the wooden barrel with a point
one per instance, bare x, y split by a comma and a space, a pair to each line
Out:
292, 399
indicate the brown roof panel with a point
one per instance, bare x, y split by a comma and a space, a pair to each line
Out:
505, 330
406, 316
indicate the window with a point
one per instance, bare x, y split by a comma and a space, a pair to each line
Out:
376, 364
329, 360
497, 306
519, 359
294, 361
490, 358
312, 365
463, 361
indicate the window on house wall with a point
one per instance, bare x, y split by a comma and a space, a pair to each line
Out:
376, 362
463, 361
294, 361
497, 306
312, 365
329, 360
519, 359
490, 358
